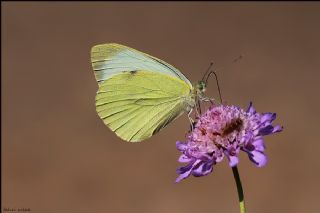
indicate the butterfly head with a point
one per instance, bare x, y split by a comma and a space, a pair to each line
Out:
200, 87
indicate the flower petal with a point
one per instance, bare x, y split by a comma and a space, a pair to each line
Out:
251, 109
186, 170
183, 175
181, 146
184, 159
258, 145
259, 158
266, 130
219, 155
203, 169
277, 128
268, 117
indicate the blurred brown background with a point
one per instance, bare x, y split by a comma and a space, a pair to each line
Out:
57, 155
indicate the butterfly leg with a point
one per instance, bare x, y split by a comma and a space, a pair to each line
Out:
197, 107
191, 120
207, 99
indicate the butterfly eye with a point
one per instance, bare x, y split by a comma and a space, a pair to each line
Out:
201, 86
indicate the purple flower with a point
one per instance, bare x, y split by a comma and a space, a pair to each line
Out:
224, 131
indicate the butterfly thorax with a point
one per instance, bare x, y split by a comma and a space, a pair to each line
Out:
197, 91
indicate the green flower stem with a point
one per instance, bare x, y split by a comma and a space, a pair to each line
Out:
239, 188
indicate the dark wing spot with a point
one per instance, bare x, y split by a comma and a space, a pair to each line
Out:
131, 74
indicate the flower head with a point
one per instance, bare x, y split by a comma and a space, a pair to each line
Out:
224, 131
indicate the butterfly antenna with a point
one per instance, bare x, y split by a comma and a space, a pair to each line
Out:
207, 71
217, 81
216, 76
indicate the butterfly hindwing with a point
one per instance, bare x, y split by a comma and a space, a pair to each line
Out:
136, 105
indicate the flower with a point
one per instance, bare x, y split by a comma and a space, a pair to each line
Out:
224, 131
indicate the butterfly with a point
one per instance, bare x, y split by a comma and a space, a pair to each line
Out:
140, 94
